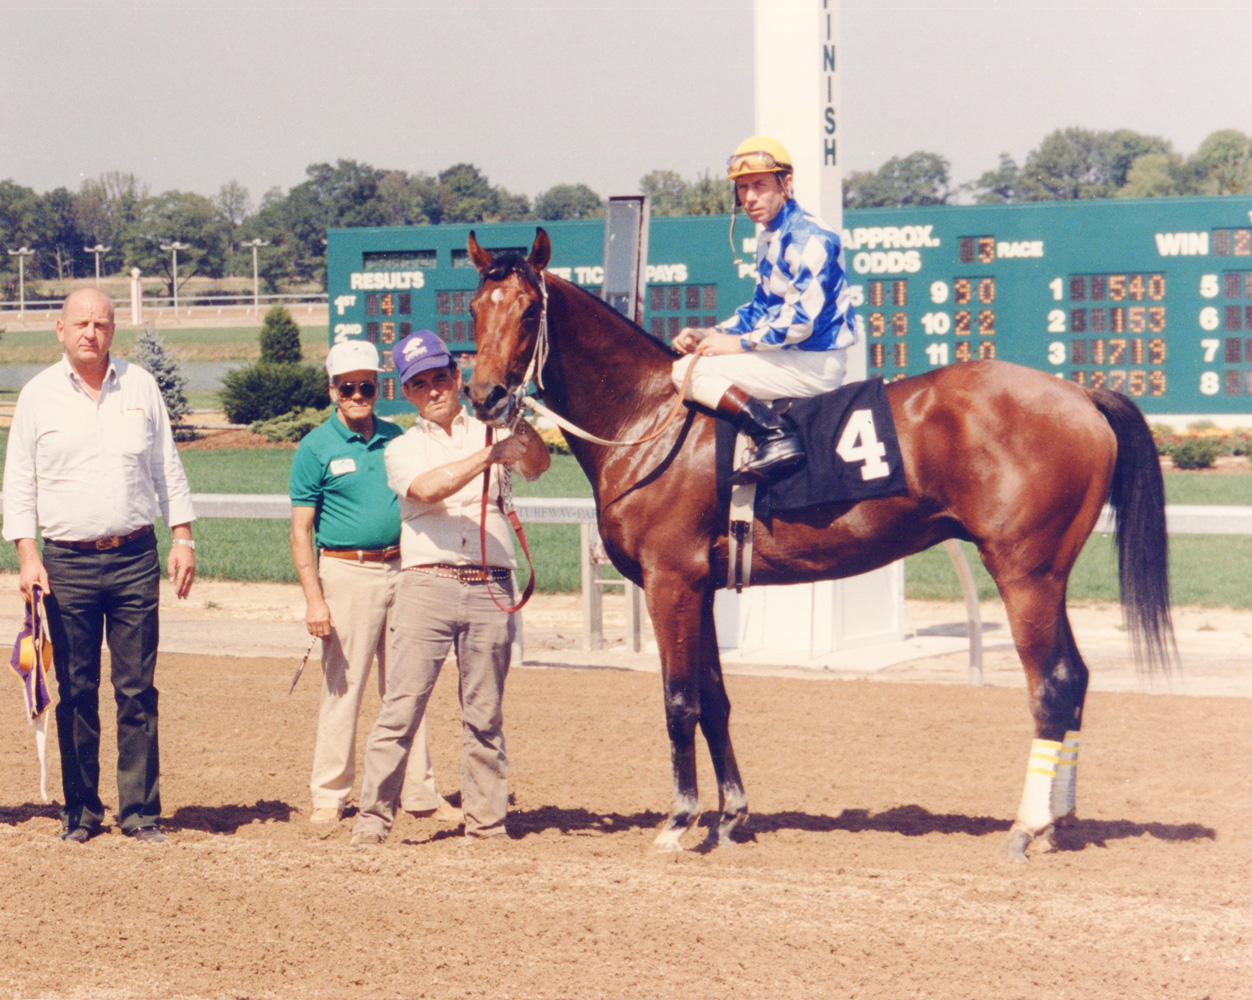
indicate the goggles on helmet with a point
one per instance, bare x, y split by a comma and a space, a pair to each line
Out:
756, 161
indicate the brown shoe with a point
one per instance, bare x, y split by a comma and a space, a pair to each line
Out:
445, 812
366, 839
321, 817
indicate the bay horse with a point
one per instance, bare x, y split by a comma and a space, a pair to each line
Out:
1014, 460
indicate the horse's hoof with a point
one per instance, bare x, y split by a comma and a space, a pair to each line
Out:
667, 842
721, 833
1019, 840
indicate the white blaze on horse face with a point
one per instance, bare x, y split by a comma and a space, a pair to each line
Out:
497, 295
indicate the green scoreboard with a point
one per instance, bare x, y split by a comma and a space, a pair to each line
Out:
1152, 298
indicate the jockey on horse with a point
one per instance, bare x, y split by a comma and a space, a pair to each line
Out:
791, 340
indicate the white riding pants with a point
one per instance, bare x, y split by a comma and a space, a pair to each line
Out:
763, 374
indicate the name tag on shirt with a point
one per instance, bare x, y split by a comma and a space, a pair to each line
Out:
341, 466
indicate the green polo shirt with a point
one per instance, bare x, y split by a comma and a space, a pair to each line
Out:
342, 475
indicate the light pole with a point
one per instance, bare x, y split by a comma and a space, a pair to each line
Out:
98, 249
21, 253
256, 245
174, 246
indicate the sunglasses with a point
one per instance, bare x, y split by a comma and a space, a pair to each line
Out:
368, 390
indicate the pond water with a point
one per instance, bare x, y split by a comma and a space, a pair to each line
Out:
202, 376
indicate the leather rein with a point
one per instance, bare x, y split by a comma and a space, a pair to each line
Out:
520, 401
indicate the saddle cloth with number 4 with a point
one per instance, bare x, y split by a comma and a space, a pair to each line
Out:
850, 440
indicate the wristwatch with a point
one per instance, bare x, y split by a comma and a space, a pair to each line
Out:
185, 541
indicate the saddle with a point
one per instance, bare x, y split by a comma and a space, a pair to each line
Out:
853, 454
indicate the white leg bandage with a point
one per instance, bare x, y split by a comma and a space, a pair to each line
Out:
1035, 813
1066, 777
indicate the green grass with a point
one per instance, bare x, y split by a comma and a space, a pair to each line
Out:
236, 343
238, 470
1208, 570
1205, 570
1227, 489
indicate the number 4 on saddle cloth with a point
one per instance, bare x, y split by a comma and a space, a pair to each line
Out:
850, 442
31, 659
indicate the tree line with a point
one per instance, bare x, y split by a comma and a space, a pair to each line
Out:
118, 212
1069, 164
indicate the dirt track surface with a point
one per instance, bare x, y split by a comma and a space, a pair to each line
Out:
873, 867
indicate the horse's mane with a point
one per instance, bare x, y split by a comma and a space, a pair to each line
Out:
512, 263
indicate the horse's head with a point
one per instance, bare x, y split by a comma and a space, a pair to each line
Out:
508, 312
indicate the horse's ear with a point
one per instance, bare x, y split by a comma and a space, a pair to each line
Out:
540, 250
481, 258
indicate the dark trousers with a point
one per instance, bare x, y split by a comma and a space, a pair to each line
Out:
113, 595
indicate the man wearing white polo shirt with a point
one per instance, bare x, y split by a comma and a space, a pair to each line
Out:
445, 599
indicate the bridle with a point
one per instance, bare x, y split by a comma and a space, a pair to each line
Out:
520, 400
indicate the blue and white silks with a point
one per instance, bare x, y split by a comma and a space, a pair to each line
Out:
802, 299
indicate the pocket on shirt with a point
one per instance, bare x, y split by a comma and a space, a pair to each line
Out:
137, 434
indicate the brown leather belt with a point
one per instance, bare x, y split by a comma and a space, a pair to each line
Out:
364, 555
464, 574
103, 544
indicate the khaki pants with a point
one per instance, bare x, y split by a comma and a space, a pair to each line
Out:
432, 616
361, 597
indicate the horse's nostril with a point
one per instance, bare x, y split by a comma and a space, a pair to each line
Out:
494, 398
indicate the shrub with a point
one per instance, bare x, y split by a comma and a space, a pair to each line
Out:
266, 390
291, 426
152, 355
1195, 453
555, 440
280, 337
1238, 442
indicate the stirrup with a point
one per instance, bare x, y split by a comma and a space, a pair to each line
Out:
755, 470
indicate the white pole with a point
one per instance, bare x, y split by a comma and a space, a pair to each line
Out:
256, 284
98, 249
21, 253
175, 246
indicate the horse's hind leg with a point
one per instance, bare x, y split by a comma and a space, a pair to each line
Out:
1056, 679
715, 724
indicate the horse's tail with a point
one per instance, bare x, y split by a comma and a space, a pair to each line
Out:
1137, 496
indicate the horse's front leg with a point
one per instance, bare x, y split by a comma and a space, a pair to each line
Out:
675, 605
715, 724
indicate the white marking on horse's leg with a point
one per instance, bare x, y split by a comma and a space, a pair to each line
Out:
733, 812
1062, 801
683, 818
1063, 790
1034, 815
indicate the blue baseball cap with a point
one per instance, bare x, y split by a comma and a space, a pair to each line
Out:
419, 352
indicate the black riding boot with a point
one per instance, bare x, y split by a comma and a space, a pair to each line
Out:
778, 449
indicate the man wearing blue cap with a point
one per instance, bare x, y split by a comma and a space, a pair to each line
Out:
445, 594
340, 497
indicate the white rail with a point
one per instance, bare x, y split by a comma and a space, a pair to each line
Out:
1180, 519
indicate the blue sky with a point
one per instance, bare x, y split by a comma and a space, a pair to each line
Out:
190, 95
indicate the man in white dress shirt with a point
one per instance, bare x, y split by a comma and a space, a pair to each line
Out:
90, 463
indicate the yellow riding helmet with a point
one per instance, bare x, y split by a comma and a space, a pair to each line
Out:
758, 155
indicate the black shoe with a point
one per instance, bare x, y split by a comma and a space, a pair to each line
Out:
148, 834
78, 835
775, 458
778, 450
